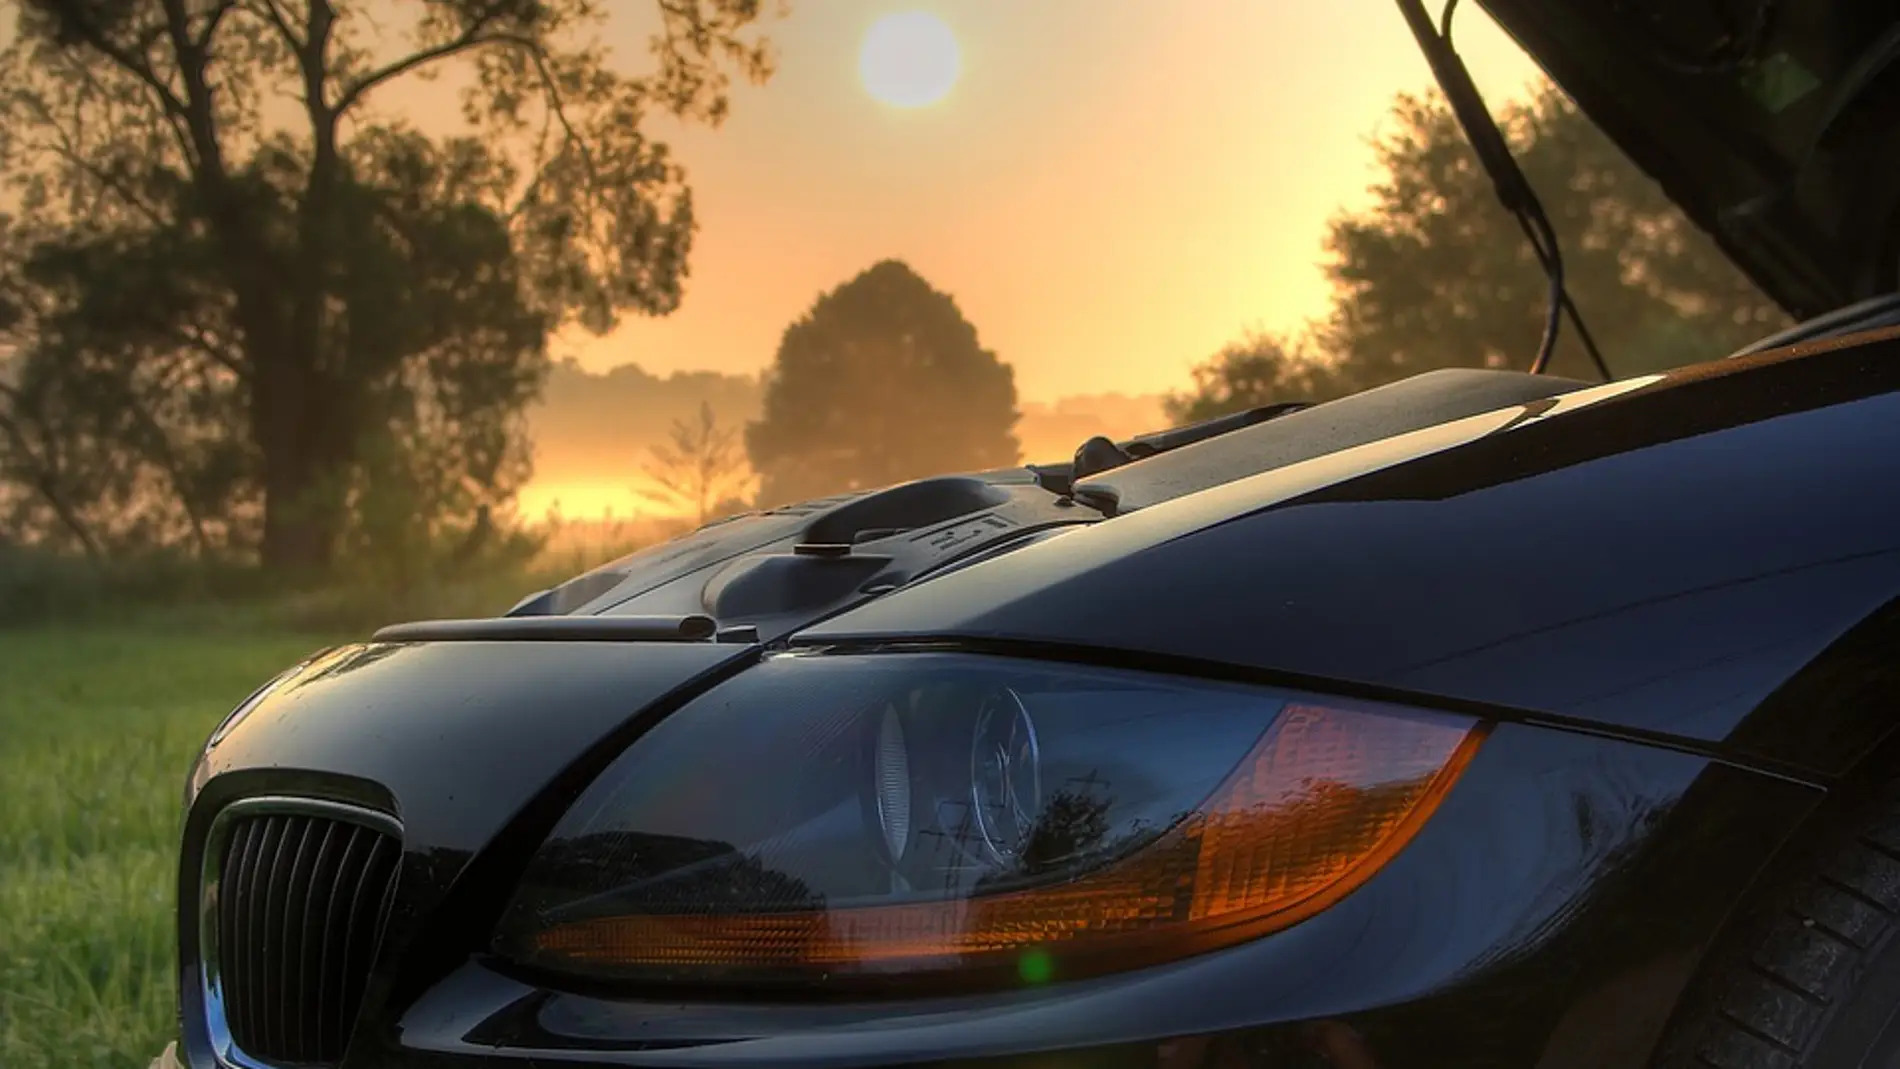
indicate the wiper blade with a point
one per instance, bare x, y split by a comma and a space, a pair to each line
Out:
1099, 454
1147, 445
1513, 189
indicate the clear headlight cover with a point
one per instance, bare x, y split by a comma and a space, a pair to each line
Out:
823, 818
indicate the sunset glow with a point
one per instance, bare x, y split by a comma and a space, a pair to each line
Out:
1111, 192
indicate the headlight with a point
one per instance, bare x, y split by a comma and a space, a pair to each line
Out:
823, 818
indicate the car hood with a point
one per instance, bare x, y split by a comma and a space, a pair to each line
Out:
762, 576
1655, 554
1770, 123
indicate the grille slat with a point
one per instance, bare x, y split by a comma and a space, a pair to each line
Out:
299, 911
359, 930
296, 894
254, 994
330, 972
310, 946
235, 903
276, 893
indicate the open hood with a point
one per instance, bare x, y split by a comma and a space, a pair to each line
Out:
1771, 123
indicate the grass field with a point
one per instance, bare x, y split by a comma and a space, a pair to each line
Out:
98, 726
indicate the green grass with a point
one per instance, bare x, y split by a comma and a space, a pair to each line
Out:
98, 727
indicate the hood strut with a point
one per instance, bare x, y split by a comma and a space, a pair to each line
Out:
1513, 189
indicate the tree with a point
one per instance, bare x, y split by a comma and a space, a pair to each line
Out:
1256, 369
882, 381
300, 303
1436, 274
702, 468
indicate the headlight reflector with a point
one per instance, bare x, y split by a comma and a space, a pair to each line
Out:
831, 817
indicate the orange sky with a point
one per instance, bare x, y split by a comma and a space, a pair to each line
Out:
1113, 189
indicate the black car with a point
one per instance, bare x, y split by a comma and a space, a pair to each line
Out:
1482, 719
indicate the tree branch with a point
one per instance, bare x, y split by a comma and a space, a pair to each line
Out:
556, 104
270, 12
132, 64
62, 146
218, 354
167, 458
533, 187
314, 62
40, 474
211, 23
196, 109
170, 118
470, 37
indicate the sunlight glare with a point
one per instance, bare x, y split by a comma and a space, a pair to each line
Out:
909, 59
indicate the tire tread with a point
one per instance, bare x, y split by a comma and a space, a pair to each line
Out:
1792, 966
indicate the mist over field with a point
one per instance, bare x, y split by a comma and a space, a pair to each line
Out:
593, 431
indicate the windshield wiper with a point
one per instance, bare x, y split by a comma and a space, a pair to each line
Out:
1513, 189
1100, 454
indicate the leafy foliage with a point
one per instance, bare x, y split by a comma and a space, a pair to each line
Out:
1255, 370
1436, 274
882, 381
235, 323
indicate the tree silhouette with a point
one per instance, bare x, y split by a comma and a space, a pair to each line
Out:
1256, 369
1436, 274
883, 380
293, 298
702, 467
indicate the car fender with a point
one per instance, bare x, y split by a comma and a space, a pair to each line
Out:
1656, 561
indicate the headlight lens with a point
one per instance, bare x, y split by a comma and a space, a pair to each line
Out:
831, 817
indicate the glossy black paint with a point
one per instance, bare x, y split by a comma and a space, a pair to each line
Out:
774, 572
1678, 596
1547, 915
1653, 557
467, 744
693, 628
1798, 189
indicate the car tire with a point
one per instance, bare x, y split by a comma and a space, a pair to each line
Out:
1810, 979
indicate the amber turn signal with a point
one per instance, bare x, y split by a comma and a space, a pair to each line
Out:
1323, 800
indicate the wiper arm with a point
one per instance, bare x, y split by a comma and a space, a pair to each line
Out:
1513, 189
1099, 454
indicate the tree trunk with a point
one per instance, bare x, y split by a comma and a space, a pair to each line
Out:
299, 531
303, 425
300, 436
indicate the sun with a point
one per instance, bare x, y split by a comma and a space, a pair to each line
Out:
909, 59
